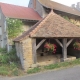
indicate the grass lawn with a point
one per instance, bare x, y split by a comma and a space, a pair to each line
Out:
10, 65
54, 66
14, 69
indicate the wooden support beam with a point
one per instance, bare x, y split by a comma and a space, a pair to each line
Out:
40, 43
68, 43
59, 42
64, 49
34, 50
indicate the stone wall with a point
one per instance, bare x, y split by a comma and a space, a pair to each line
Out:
27, 53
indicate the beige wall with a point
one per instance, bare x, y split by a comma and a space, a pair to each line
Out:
24, 52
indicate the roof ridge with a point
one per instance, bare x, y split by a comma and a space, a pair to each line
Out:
60, 7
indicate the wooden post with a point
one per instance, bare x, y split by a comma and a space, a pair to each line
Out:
34, 50
64, 49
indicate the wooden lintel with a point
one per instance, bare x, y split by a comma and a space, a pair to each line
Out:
59, 42
40, 43
68, 43
34, 53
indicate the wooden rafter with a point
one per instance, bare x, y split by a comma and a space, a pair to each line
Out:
59, 42
68, 43
40, 43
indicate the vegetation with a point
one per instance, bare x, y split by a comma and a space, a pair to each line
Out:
55, 66
9, 63
76, 22
14, 27
34, 70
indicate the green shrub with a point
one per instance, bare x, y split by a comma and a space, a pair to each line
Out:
8, 57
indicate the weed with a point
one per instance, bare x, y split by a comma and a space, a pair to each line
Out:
34, 70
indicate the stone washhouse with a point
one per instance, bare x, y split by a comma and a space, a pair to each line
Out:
52, 26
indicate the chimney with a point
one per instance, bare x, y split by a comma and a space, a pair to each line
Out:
34, 4
73, 6
78, 6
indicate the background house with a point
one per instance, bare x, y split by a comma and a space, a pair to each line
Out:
28, 16
76, 6
3, 30
43, 8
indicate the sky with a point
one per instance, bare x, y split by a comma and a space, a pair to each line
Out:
25, 2
17, 2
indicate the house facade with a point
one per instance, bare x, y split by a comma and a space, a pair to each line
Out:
15, 12
3, 30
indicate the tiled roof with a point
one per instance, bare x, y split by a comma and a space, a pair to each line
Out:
13, 11
53, 26
60, 7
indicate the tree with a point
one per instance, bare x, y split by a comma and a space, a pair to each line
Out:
14, 27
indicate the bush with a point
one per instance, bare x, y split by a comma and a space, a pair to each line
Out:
8, 57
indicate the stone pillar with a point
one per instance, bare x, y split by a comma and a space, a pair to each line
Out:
27, 53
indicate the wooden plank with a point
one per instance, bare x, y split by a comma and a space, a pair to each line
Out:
40, 43
64, 49
68, 43
34, 50
59, 42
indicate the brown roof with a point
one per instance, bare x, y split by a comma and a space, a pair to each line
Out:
13, 11
53, 26
59, 7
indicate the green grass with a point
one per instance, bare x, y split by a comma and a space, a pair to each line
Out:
10, 70
34, 70
10, 66
55, 66
14, 69
9, 63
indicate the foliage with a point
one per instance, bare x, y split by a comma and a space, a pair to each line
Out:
8, 57
14, 27
9, 63
76, 45
55, 66
74, 21
65, 17
10, 69
50, 47
34, 70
